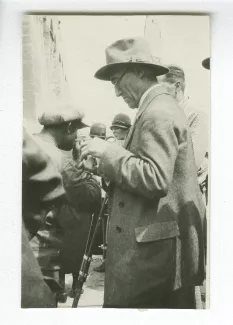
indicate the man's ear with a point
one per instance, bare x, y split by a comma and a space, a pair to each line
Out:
178, 86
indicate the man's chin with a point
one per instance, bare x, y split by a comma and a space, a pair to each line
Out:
130, 104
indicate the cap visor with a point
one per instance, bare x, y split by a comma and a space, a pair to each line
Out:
119, 126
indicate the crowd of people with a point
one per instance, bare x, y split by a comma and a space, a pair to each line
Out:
154, 171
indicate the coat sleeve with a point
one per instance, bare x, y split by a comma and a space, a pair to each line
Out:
147, 171
82, 190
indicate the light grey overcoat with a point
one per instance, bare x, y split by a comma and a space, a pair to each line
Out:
156, 212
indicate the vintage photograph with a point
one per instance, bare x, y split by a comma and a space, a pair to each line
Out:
115, 161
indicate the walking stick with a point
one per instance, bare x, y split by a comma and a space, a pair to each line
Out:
83, 273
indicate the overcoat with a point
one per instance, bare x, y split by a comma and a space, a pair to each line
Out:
41, 188
83, 199
156, 212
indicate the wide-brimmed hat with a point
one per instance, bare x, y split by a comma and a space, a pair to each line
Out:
60, 114
121, 121
130, 51
206, 63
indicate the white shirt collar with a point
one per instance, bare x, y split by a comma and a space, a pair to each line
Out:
146, 93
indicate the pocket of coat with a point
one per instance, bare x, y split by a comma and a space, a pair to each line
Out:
157, 231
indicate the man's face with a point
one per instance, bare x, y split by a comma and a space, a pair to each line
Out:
171, 88
119, 133
127, 85
68, 138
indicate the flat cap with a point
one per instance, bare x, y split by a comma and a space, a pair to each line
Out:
61, 114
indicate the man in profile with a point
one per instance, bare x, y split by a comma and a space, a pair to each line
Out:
60, 248
155, 255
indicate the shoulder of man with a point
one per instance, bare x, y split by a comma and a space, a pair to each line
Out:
165, 107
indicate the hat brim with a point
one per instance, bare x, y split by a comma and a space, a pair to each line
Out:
206, 63
107, 71
119, 126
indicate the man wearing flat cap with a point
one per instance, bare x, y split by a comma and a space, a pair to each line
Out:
155, 253
60, 249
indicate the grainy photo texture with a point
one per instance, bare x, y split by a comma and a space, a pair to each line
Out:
115, 161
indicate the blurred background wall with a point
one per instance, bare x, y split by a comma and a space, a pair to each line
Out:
62, 53
44, 75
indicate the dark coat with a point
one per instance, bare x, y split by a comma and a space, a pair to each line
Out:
156, 211
41, 188
34, 293
83, 199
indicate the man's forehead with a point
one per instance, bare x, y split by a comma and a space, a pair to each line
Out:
116, 74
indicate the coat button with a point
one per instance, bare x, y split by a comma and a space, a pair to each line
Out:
121, 204
118, 229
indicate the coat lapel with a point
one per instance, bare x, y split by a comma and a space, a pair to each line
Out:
151, 95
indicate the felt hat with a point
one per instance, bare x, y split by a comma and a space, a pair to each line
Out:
126, 52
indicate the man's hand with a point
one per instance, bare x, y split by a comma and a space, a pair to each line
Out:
89, 165
94, 147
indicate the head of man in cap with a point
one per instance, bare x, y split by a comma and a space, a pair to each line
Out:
120, 126
61, 123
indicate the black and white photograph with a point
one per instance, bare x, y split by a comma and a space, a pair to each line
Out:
115, 161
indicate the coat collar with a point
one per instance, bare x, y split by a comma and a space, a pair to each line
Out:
156, 91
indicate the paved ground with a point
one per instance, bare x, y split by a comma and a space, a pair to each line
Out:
93, 288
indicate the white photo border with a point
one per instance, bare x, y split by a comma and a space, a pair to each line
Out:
221, 225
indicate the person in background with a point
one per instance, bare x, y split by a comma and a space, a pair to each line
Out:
59, 249
120, 127
174, 81
98, 130
41, 190
155, 254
